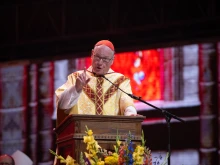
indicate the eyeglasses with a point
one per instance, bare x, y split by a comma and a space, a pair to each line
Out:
105, 60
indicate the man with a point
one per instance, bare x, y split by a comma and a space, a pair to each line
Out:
87, 92
6, 160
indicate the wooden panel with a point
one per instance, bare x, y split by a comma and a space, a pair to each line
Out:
71, 131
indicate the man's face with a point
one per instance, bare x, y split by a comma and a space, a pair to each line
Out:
102, 59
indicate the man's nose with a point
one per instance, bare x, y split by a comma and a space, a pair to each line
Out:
101, 60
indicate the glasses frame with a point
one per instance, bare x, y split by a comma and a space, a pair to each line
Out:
105, 60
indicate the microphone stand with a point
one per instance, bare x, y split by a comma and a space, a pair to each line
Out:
168, 115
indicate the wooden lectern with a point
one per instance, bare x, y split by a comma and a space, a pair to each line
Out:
71, 130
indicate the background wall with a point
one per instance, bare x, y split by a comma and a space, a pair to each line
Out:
28, 113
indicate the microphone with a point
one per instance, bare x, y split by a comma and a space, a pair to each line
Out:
131, 95
167, 114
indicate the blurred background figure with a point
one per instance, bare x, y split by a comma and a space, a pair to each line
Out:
21, 158
6, 160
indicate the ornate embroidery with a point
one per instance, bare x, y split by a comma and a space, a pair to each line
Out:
113, 89
99, 98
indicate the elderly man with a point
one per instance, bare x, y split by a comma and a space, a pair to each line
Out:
87, 92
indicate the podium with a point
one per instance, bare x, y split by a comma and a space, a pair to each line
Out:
71, 130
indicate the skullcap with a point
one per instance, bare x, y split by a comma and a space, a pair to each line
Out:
106, 43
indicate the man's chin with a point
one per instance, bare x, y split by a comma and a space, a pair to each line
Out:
98, 73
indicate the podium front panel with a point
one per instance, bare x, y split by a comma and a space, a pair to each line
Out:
71, 131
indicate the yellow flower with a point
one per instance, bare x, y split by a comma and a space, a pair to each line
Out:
138, 162
100, 162
139, 149
118, 142
60, 157
137, 158
87, 139
93, 152
138, 155
97, 146
112, 159
134, 155
70, 160
90, 133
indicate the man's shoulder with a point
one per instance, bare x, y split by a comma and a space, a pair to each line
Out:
115, 73
118, 75
75, 73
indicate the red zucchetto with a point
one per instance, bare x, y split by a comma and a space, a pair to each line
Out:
106, 43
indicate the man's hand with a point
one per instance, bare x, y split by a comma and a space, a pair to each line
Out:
81, 81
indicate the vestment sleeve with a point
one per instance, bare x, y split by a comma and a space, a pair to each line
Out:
130, 111
66, 95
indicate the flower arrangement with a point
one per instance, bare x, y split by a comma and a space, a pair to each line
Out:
124, 152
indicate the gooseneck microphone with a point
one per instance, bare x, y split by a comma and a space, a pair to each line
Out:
139, 99
131, 95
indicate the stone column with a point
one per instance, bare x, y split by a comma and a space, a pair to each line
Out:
190, 74
32, 119
13, 109
45, 112
208, 98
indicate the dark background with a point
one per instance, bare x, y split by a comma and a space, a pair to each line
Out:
40, 30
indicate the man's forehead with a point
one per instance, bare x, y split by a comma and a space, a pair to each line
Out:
107, 55
102, 49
